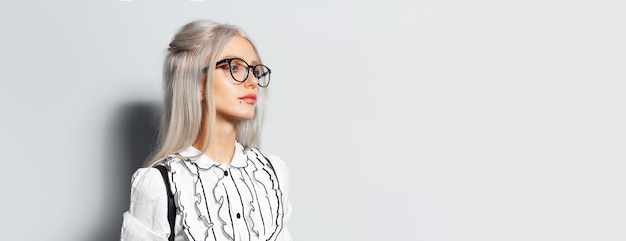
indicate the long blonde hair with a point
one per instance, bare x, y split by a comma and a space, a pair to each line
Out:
195, 45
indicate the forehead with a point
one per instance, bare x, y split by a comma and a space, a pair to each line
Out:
239, 47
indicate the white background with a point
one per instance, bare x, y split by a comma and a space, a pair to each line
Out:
399, 120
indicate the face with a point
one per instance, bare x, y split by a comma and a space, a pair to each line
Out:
235, 101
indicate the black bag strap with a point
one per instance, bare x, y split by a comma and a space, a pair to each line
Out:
171, 208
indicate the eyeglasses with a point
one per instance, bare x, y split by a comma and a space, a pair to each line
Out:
240, 70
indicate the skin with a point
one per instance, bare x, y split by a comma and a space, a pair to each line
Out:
229, 108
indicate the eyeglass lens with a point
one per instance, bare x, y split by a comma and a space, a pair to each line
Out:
240, 72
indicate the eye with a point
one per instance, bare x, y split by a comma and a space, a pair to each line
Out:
260, 71
237, 65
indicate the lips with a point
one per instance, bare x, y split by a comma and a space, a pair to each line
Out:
250, 99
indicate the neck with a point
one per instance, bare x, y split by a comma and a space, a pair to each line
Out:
222, 144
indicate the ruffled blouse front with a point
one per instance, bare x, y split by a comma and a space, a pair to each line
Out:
243, 200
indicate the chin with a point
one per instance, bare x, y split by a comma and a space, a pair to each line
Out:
237, 113
246, 116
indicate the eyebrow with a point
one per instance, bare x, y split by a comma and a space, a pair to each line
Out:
253, 62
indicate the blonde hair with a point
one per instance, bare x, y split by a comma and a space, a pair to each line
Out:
197, 45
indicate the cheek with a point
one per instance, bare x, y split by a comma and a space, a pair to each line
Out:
219, 86
224, 91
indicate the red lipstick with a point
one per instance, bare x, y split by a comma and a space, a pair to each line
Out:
250, 99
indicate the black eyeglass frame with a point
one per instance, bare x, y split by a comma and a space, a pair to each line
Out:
248, 67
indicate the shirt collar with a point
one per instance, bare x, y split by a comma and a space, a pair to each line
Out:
240, 159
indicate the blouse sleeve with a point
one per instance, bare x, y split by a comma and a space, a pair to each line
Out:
146, 218
283, 177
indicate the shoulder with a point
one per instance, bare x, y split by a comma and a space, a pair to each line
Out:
146, 175
275, 162
147, 185
279, 165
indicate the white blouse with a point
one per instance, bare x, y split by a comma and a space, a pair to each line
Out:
246, 200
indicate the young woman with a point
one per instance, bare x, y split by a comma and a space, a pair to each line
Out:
221, 186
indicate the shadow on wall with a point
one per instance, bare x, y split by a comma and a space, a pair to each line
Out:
133, 137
